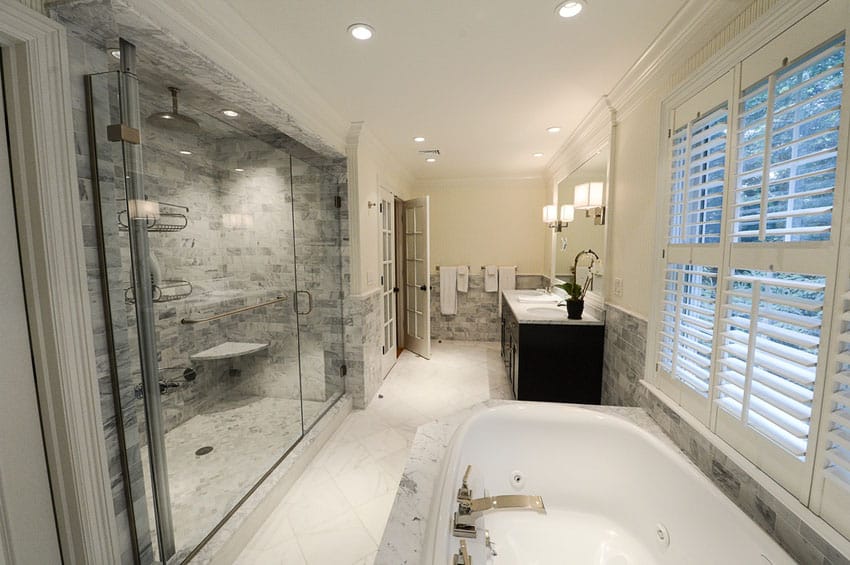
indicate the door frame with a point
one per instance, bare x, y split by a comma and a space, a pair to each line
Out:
45, 186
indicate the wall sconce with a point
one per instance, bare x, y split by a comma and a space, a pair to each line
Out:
588, 197
551, 218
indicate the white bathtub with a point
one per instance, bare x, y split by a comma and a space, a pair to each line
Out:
614, 495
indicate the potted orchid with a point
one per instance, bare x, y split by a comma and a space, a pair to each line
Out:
575, 302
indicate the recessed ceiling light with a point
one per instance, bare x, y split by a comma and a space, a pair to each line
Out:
230, 113
184, 152
553, 129
537, 154
569, 9
431, 160
418, 139
115, 53
361, 31
238, 170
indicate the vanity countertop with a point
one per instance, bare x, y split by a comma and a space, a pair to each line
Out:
525, 311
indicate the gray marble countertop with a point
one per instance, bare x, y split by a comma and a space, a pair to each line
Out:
408, 520
525, 311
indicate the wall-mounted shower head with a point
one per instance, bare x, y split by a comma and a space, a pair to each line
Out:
173, 120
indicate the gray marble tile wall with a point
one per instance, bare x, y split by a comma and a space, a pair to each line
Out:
623, 367
477, 317
363, 340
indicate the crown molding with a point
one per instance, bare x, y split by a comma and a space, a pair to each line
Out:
695, 20
586, 140
462, 182
757, 35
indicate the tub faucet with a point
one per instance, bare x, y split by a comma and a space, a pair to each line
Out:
462, 556
469, 509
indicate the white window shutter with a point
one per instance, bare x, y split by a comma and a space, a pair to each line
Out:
787, 151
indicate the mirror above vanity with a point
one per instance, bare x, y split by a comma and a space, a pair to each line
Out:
579, 247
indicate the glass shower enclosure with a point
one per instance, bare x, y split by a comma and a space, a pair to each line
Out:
221, 270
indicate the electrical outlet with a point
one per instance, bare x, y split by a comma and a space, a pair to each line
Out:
618, 286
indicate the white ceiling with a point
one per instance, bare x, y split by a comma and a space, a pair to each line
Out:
481, 80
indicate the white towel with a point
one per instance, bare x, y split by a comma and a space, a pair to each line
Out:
491, 278
448, 290
507, 281
463, 278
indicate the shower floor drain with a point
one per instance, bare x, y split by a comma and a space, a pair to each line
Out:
204, 450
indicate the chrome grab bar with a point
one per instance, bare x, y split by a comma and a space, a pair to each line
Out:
232, 312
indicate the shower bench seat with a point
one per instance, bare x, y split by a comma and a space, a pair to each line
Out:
228, 350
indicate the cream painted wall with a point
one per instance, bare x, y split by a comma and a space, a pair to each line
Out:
370, 169
631, 207
487, 221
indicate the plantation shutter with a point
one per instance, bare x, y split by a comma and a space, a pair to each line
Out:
769, 353
787, 150
698, 148
831, 492
778, 290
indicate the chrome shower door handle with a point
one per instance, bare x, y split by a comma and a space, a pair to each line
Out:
298, 302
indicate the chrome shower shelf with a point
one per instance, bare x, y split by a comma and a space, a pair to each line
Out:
166, 291
166, 222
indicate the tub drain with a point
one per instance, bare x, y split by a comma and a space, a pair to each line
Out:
204, 450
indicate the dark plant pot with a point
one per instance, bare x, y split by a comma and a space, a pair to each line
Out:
574, 309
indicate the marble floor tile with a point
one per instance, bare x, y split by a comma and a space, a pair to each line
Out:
247, 435
337, 510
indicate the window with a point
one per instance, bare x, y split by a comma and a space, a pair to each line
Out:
698, 145
698, 171
687, 325
748, 340
769, 350
787, 150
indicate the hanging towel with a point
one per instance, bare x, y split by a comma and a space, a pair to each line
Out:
463, 278
448, 290
491, 278
507, 281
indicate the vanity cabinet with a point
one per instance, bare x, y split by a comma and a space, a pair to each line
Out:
553, 362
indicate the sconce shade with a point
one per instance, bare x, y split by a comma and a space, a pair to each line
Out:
581, 196
568, 213
550, 214
595, 195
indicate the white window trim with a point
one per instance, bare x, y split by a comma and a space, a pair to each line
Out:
738, 50
49, 225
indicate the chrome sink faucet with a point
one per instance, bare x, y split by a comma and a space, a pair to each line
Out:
470, 509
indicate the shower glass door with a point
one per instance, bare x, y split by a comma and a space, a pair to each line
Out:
221, 262
316, 212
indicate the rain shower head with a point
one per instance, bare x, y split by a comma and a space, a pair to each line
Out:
173, 120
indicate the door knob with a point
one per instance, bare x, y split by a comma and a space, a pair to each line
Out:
423, 287
396, 289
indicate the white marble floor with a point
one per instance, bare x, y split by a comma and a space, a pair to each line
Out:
336, 511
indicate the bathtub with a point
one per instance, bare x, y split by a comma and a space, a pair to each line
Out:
614, 494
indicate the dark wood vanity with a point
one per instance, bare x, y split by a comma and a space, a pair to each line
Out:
548, 358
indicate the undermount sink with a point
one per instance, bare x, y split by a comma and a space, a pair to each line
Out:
548, 311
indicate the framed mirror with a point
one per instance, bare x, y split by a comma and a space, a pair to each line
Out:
578, 251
